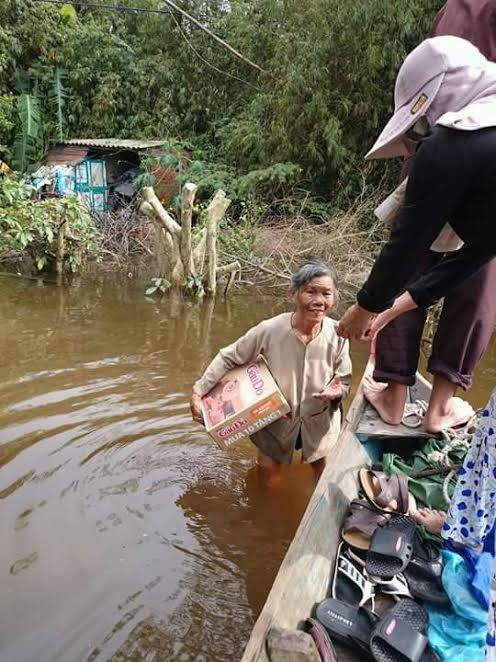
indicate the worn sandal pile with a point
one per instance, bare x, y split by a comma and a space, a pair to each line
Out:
382, 553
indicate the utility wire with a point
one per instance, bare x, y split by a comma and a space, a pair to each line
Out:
200, 56
171, 5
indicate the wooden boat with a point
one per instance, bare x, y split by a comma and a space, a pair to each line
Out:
305, 573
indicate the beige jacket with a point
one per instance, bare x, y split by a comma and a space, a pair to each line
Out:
299, 370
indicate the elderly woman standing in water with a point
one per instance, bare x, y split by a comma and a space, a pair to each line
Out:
310, 364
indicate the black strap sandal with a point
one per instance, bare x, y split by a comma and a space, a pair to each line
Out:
424, 573
348, 624
401, 635
391, 548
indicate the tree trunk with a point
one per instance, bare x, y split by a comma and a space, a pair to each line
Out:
187, 199
164, 244
215, 211
59, 264
166, 219
199, 252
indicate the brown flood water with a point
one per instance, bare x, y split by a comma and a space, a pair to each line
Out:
126, 534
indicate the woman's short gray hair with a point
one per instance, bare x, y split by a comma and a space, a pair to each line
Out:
313, 268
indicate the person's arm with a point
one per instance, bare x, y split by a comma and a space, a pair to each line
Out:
438, 181
445, 276
448, 274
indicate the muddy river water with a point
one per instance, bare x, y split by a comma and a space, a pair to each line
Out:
125, 533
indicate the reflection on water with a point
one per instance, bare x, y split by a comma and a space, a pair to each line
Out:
126, 533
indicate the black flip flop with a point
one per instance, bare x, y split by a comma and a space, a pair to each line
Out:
350, 625
391, 547
401, 635
424, 573
350, 582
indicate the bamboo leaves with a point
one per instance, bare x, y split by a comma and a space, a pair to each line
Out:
29, 135
57, 99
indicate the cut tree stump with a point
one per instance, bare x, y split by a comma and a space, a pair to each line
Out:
179, 256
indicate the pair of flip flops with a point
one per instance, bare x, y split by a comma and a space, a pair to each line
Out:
397, 548
351, 582
399, 636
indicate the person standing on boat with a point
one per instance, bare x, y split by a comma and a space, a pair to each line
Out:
445, 107
310, 364
468, 315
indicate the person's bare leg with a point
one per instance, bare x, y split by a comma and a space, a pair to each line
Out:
387, 399
318, 467
445, 410
433, 520
268, 469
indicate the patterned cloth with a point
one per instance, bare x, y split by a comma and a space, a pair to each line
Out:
472, 511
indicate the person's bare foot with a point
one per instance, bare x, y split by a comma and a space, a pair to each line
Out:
433, 520
387, 399
455, 412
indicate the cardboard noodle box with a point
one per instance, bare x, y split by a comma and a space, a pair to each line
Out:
246, 400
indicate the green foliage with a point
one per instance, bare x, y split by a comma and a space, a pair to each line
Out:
159, 286
58, 99
7, 122
194, 287
33, 226
238, 237
13, 191
29, 136
306, 123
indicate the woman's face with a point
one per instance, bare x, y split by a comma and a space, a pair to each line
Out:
316, 298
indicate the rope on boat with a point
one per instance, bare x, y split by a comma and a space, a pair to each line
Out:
456, 439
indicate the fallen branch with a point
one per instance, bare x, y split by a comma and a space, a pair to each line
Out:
257, 266
232, 267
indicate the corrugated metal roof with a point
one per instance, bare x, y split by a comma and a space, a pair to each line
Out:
115, 143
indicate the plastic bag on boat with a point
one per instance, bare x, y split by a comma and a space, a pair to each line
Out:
458, 634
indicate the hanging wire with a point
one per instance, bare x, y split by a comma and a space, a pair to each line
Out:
169, 10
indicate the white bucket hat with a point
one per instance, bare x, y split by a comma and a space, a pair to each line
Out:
417, 84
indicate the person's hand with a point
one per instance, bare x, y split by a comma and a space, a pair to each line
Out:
379, 323
196, 410
333, 391
355, 323
401, 305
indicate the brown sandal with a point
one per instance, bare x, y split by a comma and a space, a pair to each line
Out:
387, 491
361, 523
